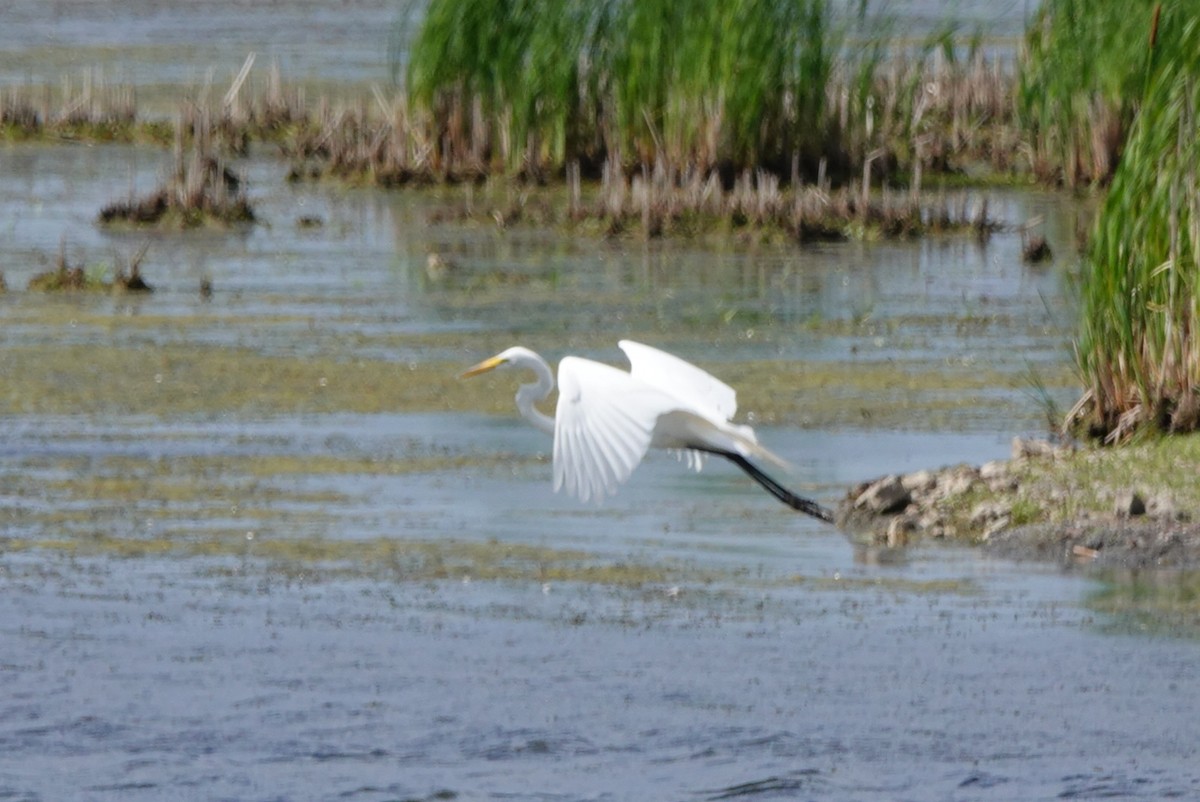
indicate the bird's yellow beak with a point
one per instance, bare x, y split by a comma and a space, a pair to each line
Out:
482, 367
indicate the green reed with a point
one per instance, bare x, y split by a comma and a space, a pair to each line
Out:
1139, 345
1082, 76
501, 77
533, 83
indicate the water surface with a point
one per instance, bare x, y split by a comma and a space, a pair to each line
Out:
271, 597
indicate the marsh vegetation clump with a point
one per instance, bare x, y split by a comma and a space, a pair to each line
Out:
1138, 349
663, 202
246, 113
90, 109
543, 84
201, 190
1082, 78
383, 146
66, 276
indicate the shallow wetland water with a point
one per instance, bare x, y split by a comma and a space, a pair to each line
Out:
267, 546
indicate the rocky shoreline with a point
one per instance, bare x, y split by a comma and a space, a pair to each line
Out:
1025, 508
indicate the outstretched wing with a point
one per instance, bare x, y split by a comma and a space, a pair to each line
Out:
699, 389
602, 426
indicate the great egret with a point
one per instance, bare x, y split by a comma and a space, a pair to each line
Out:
606, 419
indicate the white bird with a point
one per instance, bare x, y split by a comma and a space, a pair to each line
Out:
606, 419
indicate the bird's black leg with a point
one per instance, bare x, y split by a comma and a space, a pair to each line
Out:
804, 505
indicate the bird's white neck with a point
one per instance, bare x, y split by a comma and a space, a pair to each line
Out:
528, 395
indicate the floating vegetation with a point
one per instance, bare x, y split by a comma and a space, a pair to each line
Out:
1137, 348
67, 277
201, 190
97, 378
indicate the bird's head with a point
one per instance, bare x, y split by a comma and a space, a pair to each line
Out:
514, 357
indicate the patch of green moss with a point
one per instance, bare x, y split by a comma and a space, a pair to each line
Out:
188, 380
397, 560
65, 278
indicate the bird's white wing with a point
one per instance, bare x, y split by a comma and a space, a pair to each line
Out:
700, 389
602, 426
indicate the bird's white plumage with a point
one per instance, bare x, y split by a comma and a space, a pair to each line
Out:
607, 419
681, 379
603, 426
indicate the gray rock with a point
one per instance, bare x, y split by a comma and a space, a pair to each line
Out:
1129, 503
998, 476
995, 527
996, 469
1023, 448
1162, 505
884, 497
899, 530
989, 512
920, 482
956, 481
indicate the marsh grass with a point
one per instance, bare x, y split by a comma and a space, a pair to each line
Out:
663, 201
640, 96
1086, 65
87, 108
1137, 349
535, 86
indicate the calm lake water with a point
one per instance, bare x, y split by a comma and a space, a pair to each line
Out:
260, 605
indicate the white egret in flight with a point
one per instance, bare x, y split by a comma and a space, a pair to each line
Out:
606, 419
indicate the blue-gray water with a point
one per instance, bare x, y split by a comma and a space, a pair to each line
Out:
782, 663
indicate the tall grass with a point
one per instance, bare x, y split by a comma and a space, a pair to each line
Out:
1139, 345
537, 83
501, 78
1082, 77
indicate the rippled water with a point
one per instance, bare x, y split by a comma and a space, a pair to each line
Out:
208, 606
766, 657
143, 679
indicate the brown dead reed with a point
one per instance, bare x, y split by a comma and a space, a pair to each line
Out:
201, 189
